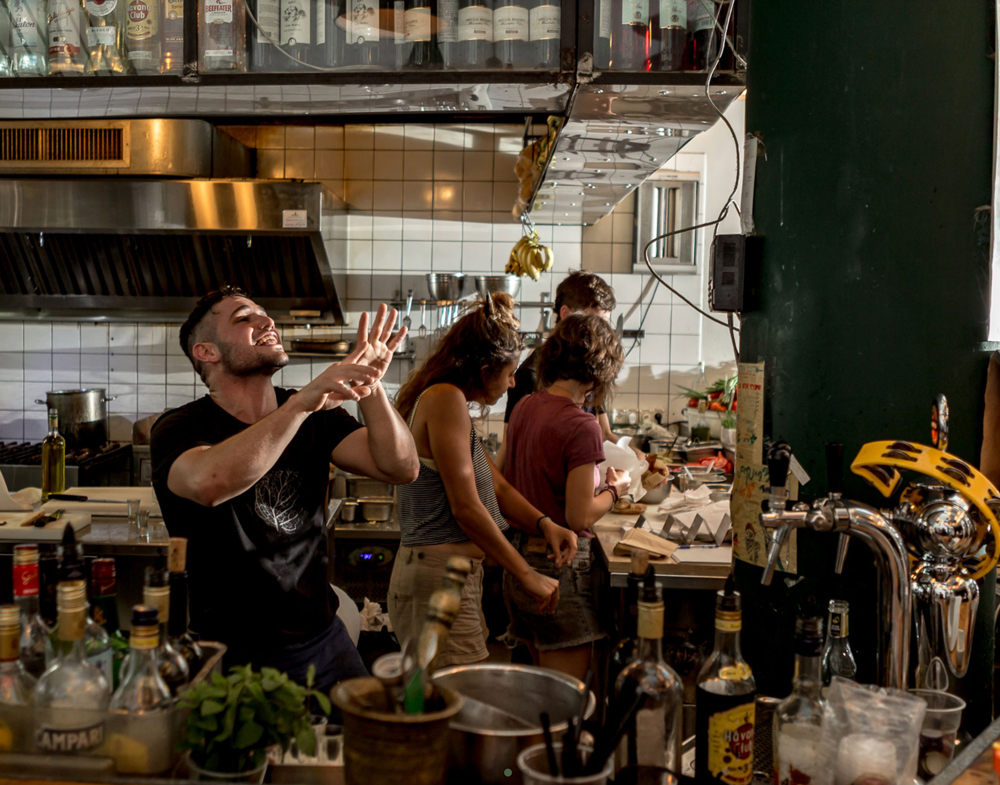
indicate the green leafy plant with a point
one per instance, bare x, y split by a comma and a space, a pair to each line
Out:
232, 720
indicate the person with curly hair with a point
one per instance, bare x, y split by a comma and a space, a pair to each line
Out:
460, 503
553, 449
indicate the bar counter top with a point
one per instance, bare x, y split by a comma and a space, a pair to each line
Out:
687, 575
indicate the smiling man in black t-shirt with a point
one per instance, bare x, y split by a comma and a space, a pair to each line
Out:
242, 473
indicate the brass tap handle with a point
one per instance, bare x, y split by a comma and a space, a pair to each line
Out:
939, 423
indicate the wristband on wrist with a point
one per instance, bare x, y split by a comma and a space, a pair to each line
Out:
614, 493
538, 523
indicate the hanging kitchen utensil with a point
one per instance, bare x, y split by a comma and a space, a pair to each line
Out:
422, 332
620, 326
404, 345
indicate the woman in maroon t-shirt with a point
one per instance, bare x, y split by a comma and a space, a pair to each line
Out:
553, 449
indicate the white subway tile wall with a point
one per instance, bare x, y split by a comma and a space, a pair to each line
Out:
409, 200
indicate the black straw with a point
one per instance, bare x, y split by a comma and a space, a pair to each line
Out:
570, 739
550, 750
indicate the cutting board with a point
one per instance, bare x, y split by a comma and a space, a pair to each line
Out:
145, 495
12, 529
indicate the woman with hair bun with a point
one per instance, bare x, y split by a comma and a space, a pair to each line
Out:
553, 449
460, 504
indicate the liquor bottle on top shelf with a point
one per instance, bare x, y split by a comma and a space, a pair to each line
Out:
421, 27
6, 64
144, 36
545, 28
798, 718
297, 31
630, 35
447, 32
223, 41
34, 631
673, 34
173, 667
602, 34
838, 659
724, 707
107, 52
511, 33
29, 37
66, 53
653, 737
16, 684
173, 37
53, 458
72, 694
394, 40
104, 601
363, 32
625, 650
143, 689
263, 54
180, 635
328, 51
475, 34
706, 18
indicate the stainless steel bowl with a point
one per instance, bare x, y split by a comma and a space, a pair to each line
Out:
482, 754
376, 509
487, 284
445, 287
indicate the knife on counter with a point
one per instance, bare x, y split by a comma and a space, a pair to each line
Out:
69, 497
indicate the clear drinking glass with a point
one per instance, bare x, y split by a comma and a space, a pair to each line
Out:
143, 528
937, 735
133, 519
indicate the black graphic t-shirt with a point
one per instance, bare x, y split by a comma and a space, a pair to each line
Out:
257, 563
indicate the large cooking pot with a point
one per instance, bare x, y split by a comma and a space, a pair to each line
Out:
83, 416
484, 754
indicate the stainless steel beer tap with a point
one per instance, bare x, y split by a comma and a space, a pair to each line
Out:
850, 519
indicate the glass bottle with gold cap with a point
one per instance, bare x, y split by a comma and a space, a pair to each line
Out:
653, 738
34, 630
72, 695
180, 636
143, 689
53, 458
724, 710
173, 667
16, 684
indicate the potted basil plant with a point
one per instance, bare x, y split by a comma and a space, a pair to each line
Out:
233, 720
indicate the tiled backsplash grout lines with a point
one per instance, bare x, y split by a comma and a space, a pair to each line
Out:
414, 199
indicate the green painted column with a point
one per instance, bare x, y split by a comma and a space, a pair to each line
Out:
877, 124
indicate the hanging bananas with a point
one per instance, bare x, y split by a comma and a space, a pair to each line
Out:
529, 257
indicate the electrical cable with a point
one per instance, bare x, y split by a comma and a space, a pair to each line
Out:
729, 202
276, 45
642, 321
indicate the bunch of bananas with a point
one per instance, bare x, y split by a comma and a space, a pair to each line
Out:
530, 257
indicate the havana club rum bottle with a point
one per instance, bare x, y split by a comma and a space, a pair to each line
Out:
143, 36
726, 691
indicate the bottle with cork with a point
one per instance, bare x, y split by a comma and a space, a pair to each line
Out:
625, 650
180, 636
156, 594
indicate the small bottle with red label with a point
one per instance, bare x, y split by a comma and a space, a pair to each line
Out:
34, 631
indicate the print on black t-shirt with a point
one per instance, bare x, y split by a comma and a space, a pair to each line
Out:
258, 562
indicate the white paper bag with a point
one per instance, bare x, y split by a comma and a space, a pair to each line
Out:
623, 459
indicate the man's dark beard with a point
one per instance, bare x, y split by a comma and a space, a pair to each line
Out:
244, 361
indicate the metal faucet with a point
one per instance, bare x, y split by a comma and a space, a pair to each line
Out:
849, 519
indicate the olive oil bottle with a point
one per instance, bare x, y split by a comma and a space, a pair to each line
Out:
53, 459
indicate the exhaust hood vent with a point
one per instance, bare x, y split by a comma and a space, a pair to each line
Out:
83, 147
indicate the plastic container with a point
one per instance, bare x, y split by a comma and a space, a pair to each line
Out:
534, 767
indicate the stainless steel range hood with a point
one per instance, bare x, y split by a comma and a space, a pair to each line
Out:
145, 249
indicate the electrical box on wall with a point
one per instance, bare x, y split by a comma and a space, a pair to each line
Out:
733, 280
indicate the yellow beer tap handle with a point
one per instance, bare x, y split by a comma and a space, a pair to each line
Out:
879, 463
